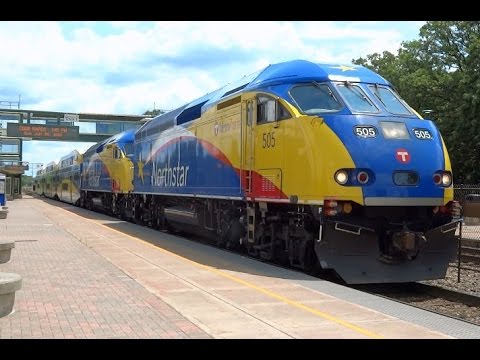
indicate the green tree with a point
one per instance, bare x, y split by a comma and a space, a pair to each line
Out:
27, 180
154, 112
441, 72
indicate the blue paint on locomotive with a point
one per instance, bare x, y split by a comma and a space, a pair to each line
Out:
278, 78
123, 139
185, 165
298, 71
380, 155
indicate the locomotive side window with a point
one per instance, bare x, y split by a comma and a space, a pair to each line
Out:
315, 98
270, 110
117, 153
265, 109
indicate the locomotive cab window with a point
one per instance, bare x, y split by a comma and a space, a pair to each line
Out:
270, 110
128, 150
356, 98
390, 100
315, 98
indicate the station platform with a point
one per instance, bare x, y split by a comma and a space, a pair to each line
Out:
87, 275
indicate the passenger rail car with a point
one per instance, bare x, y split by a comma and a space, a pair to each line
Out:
319, 166
51, 180
39, 182
69, 177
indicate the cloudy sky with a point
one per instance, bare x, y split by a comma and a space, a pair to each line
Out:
132, 67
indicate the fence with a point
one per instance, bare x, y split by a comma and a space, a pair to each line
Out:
469, 232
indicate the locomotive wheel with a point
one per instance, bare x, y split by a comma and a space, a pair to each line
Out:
235, 233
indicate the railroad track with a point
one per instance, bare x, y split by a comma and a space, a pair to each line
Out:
470, 254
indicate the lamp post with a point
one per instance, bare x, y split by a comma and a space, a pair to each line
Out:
28, 189
35, 166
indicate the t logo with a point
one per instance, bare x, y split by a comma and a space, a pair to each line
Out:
403, 156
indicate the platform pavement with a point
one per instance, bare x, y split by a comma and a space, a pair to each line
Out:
69, 291
226, 295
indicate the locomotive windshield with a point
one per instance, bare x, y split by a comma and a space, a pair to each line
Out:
315, 98
128, 150
356, 98
388, 98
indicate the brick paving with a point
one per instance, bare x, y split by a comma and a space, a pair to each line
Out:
87, 275
69, 291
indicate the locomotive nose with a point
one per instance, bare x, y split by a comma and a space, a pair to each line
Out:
395, 159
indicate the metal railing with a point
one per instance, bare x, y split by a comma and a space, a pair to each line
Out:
468, 234
10, 104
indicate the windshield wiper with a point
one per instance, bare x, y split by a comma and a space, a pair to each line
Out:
330, 92
377, 94
357, 92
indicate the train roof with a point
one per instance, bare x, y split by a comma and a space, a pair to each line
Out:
305, 71
51, 164
295, 71
121, 139
73, 154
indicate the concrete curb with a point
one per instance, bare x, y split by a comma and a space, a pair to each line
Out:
9, 283
3, 214
6, 247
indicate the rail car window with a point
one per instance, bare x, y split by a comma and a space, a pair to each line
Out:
388, 99
315, 98
357, 100
270, 110
67, 162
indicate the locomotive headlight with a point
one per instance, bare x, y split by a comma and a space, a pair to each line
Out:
394, 130
341, 177
446, 179
443, 178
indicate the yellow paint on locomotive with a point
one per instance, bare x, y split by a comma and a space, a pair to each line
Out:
299, 155
120, 168
448, 193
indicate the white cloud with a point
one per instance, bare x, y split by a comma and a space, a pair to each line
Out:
127, 67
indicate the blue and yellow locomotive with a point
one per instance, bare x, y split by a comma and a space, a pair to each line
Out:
107, 173
311, 165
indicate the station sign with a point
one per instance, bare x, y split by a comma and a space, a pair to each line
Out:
42, 131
